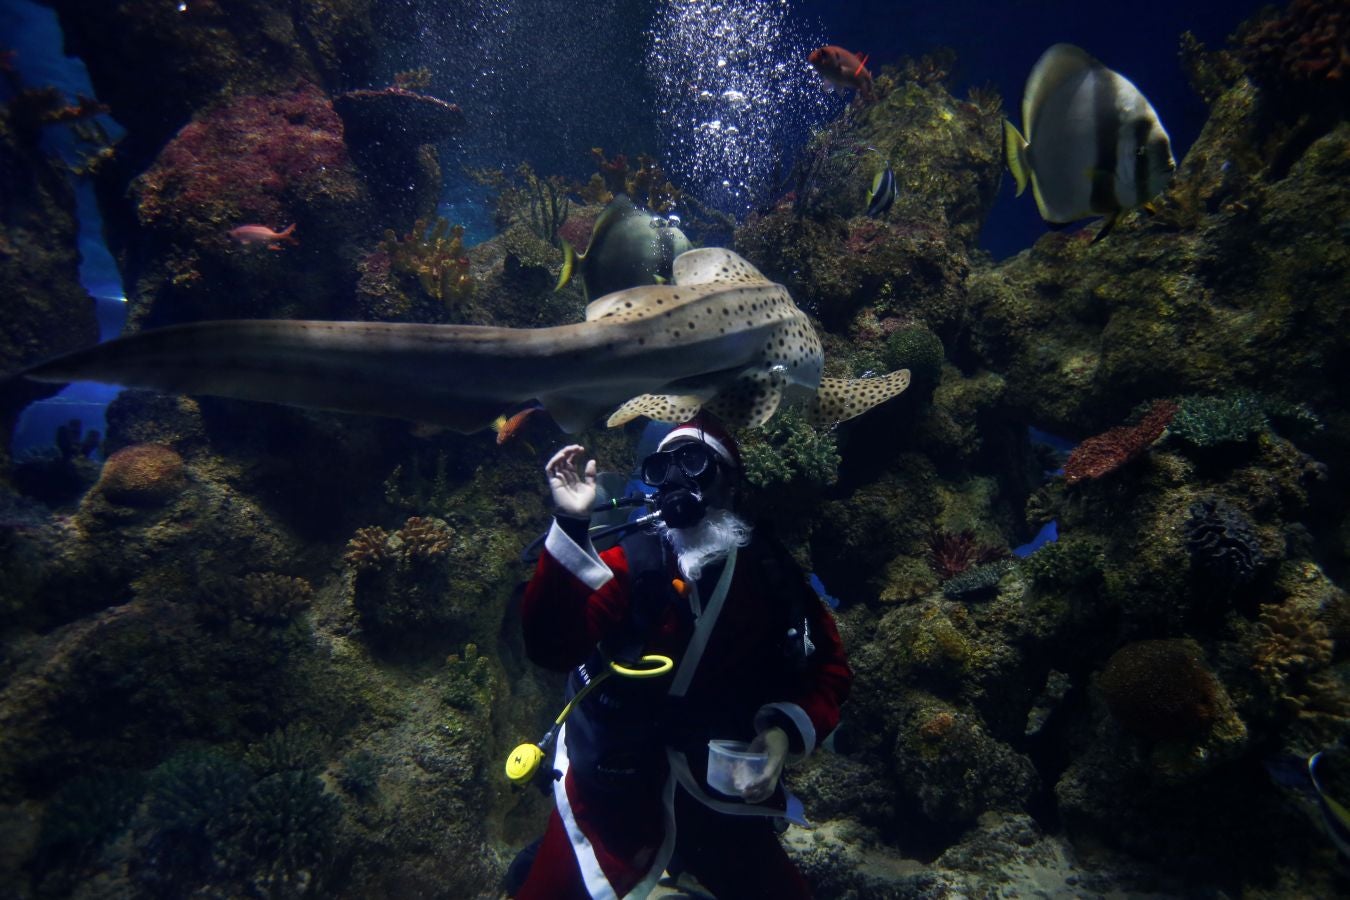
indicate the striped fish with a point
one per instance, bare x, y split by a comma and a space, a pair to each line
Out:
1094, 145
882, 194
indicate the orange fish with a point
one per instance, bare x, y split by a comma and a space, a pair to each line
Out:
842, 69
506, 428
261, 234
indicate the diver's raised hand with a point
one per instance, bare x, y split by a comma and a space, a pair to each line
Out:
772, 741
573, 490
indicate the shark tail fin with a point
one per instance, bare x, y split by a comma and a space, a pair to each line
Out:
840, 399
676, 408
569, 264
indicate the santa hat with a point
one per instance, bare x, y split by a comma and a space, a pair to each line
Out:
704, 427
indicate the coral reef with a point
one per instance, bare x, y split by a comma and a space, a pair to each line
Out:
1206, 422
424, 276
294, 669
142, 475
1160, 689
979, 581
950, 554
787, 450
1104, 453
1222, 543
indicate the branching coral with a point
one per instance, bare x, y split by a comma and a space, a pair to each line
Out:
433, 257
420, 540
1210, 421
424, 540
647, 184
787, 448
369, 550
1106, 452
1292, 645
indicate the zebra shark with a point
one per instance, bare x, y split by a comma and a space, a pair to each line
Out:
720, 336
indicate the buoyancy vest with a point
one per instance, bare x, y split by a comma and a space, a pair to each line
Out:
616, 735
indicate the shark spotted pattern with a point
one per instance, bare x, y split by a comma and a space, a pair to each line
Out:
720, 336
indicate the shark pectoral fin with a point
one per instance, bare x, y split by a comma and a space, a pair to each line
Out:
749, 401
840, 399
676, 408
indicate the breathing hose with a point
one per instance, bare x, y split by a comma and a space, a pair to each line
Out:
522, 765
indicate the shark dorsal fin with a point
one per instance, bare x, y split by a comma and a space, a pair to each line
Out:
749, 401
840, 399
675, 408
714, 265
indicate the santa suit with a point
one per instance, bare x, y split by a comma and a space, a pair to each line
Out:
634, 767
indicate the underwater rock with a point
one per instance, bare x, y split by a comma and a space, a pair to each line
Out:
947, 760
144, 475
195, 53
396, 115
912, 263
47, 311
1222, 542
1161, 689
386, 130
270, 159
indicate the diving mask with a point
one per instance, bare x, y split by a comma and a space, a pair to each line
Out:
692, 459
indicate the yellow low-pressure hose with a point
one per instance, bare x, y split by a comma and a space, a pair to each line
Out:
524, 761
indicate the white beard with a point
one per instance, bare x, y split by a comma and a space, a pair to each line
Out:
708, 542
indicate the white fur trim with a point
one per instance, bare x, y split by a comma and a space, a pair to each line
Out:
687, 431
583, 562
799, 718
591, 873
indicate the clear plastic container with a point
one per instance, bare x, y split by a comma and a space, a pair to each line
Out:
731, 767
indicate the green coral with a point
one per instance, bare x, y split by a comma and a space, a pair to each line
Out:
359, 774
468, 683
787, 448
916, 348
294, 747
1206, 422
194, 793
289, 822
84, 814
1066, 563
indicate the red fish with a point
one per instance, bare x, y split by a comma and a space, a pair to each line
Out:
507, 428
843, 69
261, 234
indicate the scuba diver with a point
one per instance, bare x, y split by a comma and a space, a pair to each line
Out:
751, 654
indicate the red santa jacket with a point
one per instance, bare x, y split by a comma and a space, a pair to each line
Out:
730, 678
